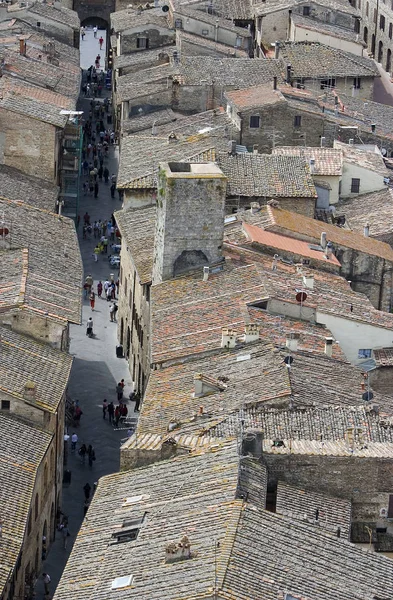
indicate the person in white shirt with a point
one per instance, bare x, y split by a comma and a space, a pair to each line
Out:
95, 30
74, 440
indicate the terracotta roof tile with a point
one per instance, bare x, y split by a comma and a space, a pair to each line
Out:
328, 161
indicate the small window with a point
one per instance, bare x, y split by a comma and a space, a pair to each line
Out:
297, 122
390, 30
147, 293
129, 531
306, 11
328, 83
355, 186
239, 42
356, 83
142, 42
382, 22
122, 582
255, 121
178, 24
368, 6
364, 353
38, 24
5, 405
205, 32
375, 15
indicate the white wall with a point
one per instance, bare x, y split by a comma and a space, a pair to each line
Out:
300, 34
354, 335
369, 180
334, 182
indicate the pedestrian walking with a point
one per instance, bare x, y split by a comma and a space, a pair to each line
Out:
87, 489
117, 415
119, 391
86, 507
109, 295
65, 532
96, 252
113, 189
95, 30
104, 408
137, 402
99, 289
86, 218
83, 33
92, 300
47, 580
111, 411
82, 453
101, 41
89, 327
74, 439
106, 175
91, 455
111, 311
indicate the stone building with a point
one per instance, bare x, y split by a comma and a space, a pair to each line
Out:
32, 416
138, 31
374, 210
377, 30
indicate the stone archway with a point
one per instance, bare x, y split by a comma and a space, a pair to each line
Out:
98, 21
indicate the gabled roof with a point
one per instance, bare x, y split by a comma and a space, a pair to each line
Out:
266, 175
137, 228
16, 185
255, 96
54, 12
128, 18
328, 161
49, 260
198, 43
341, 33
285, 222
244, 72
22, 449
24, 360
312, 59
374, 209
363, 156
212, 20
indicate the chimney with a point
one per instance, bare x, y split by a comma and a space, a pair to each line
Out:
22, 47
289, 69
275, 82
292, 341
228, 339
308, 281
323, 139
30, 391
255, 207
172, 138
190, 218
312, 165
177, 552
255, 149
275, 261
206, 271
323, 240
329, 346
351, 141
329, 250
373, 127
251, 331
232, 147
366, 230
276, 54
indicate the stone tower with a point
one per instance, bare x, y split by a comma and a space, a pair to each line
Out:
190, 218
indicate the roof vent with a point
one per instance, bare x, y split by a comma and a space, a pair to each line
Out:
312, 165
172, 138
228, 339
134, 500
206, 272
120, 583
329, 346
251, 332
205, 385
176, 552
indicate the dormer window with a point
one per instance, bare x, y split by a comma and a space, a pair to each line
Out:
306, 11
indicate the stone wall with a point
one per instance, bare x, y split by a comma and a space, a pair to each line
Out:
28, 145
54, 333
92, 9
372, 29
155, 37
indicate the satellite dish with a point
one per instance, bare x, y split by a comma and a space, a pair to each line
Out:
288, 360
301, 297
367, 396
165, 8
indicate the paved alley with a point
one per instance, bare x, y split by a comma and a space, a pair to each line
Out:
94, 376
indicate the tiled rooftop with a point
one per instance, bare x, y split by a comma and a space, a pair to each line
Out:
148, 120
137, 228
202, 42
129, 18
26, 360
255, 96
139, 59
363, 157
317, 60
326, 28
145, 81
265, 7
16, 185
54, 276
320, 510
213, 20
297, 247
22, 449
252, 374
384, 357
375, 208
285, 222
55, 12
198, 137
244, 72
328, 161
265, 175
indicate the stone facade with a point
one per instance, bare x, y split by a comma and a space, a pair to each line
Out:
377, 30
144, 38
190, 217
29, 145
50, 331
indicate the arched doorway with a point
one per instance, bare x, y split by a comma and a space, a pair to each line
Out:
98, 21
365, 35
373, 44
380, 52
388, 60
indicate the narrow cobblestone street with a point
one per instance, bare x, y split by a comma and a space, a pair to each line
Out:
94, 376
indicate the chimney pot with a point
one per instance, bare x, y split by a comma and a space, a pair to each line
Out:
255, 207
276, 54
228, 339
312, 165
329, 346
206, 272
251, 331
366, 230
323, 240
292, 341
